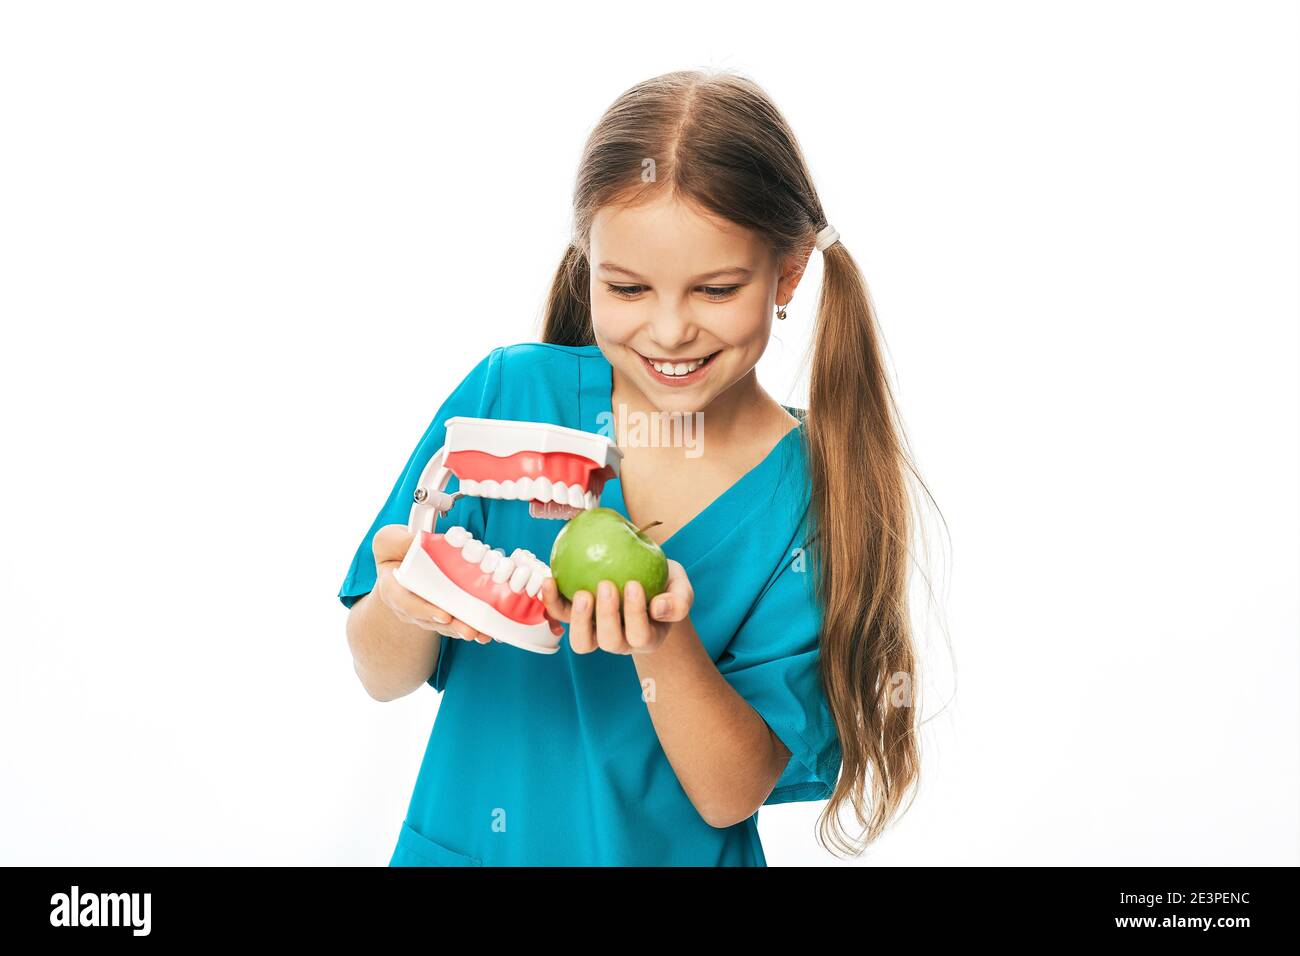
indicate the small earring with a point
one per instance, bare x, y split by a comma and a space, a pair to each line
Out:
780, 312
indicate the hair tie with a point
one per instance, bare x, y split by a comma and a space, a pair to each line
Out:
827, 237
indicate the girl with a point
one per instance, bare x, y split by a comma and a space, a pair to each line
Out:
781, 653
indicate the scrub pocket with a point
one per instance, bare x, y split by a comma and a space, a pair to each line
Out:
416, 849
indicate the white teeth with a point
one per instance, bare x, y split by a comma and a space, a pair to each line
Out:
535, 578
522, 571
677, 368
505, 567
526, 489
519, 577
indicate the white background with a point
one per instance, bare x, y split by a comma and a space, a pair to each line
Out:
246, 248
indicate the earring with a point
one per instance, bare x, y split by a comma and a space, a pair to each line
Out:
780, 311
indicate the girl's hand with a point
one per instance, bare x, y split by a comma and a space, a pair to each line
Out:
636, 631
390, 546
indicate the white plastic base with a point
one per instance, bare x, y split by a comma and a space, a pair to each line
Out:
418, 573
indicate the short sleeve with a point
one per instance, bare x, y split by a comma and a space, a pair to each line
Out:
772, 662
476, 397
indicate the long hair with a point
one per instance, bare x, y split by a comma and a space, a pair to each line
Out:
719, 143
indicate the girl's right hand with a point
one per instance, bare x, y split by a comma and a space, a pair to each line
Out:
390, 546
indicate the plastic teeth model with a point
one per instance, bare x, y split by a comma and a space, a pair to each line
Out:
559, 471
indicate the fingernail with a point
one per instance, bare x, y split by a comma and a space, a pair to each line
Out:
607, 590
442, 618
660, 608
580, 603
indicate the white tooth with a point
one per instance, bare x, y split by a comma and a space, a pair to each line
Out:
469, 486
505, 567
658, 367
576, 497
519, 577
524, 489
588, 500
456, 537
560, 493
473, 551
507, 489
490, 561
679, 368
535, 578
489, 489
542, 488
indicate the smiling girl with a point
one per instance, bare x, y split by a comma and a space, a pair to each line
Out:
778, 666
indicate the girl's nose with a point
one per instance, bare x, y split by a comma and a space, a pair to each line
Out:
671, 329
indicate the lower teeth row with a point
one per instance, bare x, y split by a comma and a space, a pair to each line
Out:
521, 571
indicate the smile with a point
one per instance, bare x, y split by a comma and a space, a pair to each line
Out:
677, 371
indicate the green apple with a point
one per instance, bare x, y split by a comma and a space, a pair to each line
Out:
601, 545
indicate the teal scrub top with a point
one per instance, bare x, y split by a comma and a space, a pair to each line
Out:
552, 759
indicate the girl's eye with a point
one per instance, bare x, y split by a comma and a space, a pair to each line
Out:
715, 292
719, 291
626, 291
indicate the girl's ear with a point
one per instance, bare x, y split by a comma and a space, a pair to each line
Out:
792, 270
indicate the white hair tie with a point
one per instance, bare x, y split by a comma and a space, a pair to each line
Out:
827, 237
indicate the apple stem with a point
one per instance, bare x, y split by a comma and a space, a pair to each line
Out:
647, 527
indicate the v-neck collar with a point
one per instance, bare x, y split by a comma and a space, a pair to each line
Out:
693, 539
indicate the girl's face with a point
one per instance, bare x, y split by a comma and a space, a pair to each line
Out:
681, 303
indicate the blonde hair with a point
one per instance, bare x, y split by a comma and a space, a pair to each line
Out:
719, 143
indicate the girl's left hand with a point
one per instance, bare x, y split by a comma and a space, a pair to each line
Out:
635, 631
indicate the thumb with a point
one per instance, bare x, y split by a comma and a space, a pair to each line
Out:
391, 542
663, 608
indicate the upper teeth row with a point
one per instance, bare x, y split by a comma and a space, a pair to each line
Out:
676, 368
522, 571
523, 489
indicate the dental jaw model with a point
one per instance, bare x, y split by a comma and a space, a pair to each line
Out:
558, 471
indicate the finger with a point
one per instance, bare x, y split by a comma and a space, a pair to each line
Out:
463, 630
555, 603
390, 544
405, 602
636, 621
674, 604
679, 585
420, 609
399, 611
609, 629
581, 638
